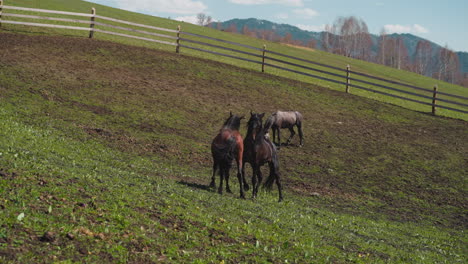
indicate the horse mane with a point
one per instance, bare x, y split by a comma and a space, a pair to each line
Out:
233, 122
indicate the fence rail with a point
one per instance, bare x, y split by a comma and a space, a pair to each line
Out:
265, 56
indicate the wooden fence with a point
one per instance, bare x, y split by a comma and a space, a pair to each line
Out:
262, 56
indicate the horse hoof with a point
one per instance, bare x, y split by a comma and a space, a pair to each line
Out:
212, 185
228, 191
246, 187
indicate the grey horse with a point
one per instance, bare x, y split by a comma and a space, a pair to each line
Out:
289, 119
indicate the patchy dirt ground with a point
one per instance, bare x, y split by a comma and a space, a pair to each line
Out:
359, 153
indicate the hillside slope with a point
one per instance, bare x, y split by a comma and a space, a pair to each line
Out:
110, 144
315, 55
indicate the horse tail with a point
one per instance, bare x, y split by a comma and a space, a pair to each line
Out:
298, 117
225, 152
269, 123
274, 169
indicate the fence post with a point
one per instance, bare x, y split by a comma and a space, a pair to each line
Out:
177, 49
1, 9
347, 78
434, 99
91, 26
263, 58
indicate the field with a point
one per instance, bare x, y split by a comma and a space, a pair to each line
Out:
316, 55
104, 157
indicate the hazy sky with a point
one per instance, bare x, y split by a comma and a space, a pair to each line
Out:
443, 22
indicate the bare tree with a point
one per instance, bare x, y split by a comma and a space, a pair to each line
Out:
348, 36
232, 28
219, 26
402, 58
330, 39
201, 17
248, 32
287, 38
325, 37
464, 80
208, 20
312, 43
422, 57
448, 65
382, 40
364, 43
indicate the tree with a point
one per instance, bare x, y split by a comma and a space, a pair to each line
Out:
287, 38
364, 44
246, 31
402, 58
348, 36
422, 57
203, 19
325, 37
464, 80
381, 52
312, 43
448, 65
219, 26
232, 28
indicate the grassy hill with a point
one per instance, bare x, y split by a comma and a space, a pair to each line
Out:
104, 157
318, 56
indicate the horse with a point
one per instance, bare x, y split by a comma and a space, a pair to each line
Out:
226, 146
258, 150
280, 119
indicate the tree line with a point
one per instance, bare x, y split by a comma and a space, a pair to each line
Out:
350, 37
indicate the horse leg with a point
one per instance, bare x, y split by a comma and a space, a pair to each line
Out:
291, 130
280, 188
215, 167
228, 189
222, 171
259, 180
246, 186
240, 177
279, 137
274, 170
299, 129
254, 181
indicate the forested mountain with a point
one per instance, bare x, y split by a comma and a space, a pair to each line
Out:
293, 35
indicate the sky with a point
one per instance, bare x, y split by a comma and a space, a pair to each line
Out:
442, 22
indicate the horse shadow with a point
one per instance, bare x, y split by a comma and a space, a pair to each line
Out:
195, 185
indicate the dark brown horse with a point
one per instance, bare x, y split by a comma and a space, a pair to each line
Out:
225, 147
280, 119
258, 151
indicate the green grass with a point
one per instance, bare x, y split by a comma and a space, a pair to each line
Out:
318, 56
121, 208
106, 147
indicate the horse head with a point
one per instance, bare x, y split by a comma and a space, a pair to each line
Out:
254, 125
233, 121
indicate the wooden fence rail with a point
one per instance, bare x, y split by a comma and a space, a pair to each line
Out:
265, 56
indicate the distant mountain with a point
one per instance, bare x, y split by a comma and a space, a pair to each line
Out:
280, 29
303, 35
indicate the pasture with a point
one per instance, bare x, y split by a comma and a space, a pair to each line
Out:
104, 157
317, 56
